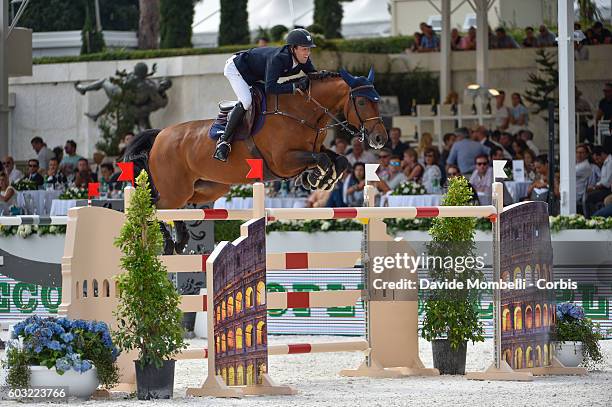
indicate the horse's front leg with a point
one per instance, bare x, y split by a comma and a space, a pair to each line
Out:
317, 164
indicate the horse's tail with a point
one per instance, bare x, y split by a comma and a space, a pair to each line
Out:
138, 151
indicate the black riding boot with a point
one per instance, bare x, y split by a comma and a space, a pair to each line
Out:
234, 118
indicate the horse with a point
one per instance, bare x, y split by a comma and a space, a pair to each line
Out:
179, 157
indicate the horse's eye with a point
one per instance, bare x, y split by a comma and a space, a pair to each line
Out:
361, 102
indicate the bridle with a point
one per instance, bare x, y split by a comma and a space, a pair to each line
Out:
361, 131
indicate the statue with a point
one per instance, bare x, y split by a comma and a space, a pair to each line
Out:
145, 95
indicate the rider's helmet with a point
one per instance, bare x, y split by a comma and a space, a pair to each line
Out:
300, 37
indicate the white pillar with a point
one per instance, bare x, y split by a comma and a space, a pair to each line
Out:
445, 52
567, 130
394, 29
4, 108
482, 43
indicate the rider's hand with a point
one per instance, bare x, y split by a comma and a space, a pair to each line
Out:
302, 84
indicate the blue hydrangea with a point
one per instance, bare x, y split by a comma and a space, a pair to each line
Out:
62, 365
85, 366
568, 311
54, 345
67, 337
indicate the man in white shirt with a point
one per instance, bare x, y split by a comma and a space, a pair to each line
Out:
9, 168
597, 193
43, 153
359, 154
584, 171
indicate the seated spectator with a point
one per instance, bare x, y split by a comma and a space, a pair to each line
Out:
355, 184
8, 195
546, 38
505, 140
395, 142
464, 151
53, 175
496, 153
425, 142
42, 151
595, 194
430, 41
59, 153
452, 171
584, 172
528, 164
502, 112
468, 42
482, 177
33, 174
606, 211
455, 40
396, 176
448, 140
411, 167
432, 176
13, 173
601, 35
106, 175
383, 169
503, 40
71, 158
416, 44
98, 158
359, 154
83, 174
340, 145
519, 147
519, 115
539, 188
527, 137
530, 40
604, 109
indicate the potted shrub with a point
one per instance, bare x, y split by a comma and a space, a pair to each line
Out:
148, 314
577, 337
451, 316
75, 354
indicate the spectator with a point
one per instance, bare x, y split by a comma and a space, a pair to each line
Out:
496, 153
98, 158
503, 40
527, 137
519, 147
505, 140
430, 41
59, 153
581, 52
481, 135
591, 40
340, 145
595, 194
604, 110
546, 38
33, 174
83, 174
425, 142
127, 138
539, 188
8, 195
383, 170
502, 112
106, 175
396, 176
455, 40
411, 167
529, 161
530, 40
13, 173
452, 171
42, 151
416, 44
606, 211
584, 171
448, 140
355, 185
359, 154
432, 176
601, 34
263, 41
464, 151
468, 42
482, 177
519, 115
71, 158
53, 175
395, 142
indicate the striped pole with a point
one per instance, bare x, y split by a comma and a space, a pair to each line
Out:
382, 212
166, 215
33, 220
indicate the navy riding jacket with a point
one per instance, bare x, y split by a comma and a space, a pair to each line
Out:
268, 64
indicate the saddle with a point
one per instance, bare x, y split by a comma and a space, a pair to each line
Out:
252, 122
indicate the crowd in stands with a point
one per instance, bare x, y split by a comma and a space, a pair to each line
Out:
59, 169
426, 40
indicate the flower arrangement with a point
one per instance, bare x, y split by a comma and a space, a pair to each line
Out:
572, 325
558, 223
63, 344
25, 231
315, 225
74, 193
409, 188
240, 191
25, 185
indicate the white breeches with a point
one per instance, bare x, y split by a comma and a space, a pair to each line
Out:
240, 87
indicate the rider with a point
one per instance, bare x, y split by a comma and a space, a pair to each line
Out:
264, 64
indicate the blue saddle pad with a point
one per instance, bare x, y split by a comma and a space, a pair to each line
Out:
251, 124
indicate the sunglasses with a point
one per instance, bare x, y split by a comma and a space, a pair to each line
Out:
482, 163
395, 163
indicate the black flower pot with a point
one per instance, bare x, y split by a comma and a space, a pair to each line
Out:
154, 383
448, 360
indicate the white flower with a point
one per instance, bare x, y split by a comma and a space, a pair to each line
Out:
325, 225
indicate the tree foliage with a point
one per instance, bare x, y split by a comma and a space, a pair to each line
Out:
234, 25
328, 15
92, 40
176, 19
544, 83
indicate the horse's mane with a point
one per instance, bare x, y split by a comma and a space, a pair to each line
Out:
317, 76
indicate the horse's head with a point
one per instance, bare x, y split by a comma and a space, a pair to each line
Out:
361, 108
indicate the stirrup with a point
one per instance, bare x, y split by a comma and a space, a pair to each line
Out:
224, 143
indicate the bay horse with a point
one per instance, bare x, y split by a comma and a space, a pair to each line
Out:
179, 157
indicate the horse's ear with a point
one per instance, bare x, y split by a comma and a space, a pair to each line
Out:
371, 75
348, 78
